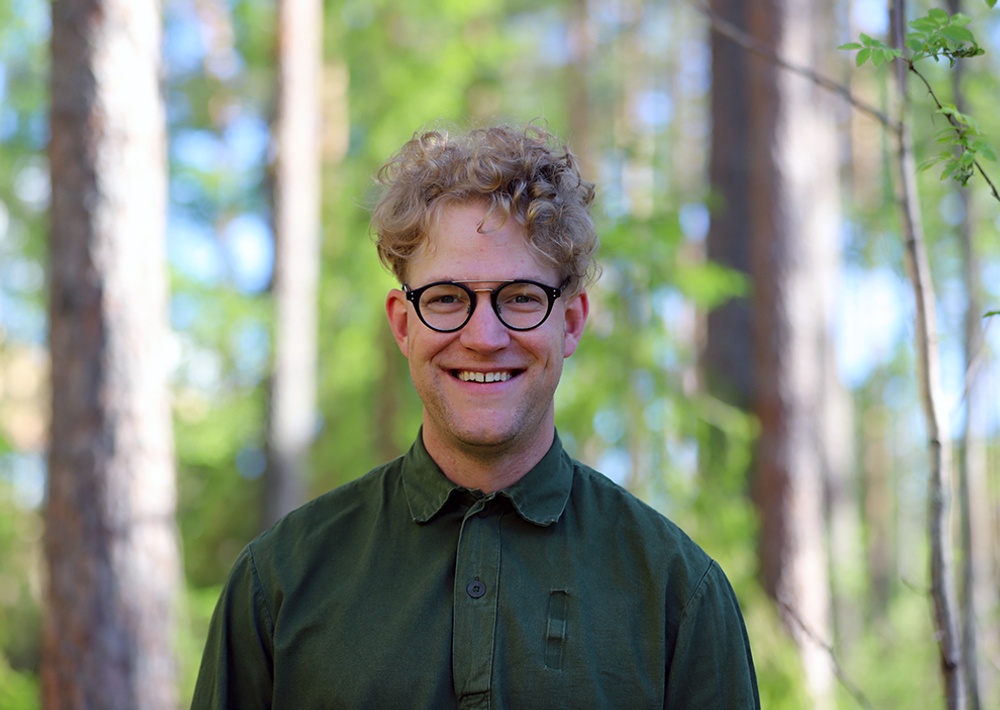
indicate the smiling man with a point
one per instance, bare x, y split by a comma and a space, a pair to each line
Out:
485, 568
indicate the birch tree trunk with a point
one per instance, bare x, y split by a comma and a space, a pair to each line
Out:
110, 539
929, 381
293, 412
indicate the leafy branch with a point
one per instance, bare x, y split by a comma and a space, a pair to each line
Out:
937, 36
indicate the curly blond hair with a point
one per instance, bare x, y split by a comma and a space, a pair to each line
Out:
517, 173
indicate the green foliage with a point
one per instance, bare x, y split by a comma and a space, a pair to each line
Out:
964, 146
896, 663
938, 35
935, 35
196, 613
780, 677
23, 110
20, 586
20, 612
18, 691
873, 50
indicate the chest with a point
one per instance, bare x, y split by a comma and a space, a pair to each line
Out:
487, 611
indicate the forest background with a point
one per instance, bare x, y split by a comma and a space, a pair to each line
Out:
688, 135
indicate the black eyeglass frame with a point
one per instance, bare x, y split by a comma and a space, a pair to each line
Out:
553, 292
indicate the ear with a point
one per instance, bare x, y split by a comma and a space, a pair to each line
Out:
398, 312
576, 317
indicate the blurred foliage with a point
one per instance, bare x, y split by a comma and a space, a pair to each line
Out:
20, 613
196, 613
18, 691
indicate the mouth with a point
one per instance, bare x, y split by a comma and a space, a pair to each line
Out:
478, 376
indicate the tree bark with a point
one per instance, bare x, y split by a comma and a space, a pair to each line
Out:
774, 156
296, 198
110, 541
978, 580
581, 42
727, 359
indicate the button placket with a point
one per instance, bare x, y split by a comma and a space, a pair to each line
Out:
477, 573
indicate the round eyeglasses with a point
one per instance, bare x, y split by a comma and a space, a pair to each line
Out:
446, 306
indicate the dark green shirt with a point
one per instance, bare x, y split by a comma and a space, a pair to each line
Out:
403, 590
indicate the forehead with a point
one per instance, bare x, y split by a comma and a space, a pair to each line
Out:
462, 244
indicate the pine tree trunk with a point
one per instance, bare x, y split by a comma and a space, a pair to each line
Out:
110, 540
775, 155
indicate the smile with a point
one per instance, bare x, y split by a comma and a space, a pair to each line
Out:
470, 376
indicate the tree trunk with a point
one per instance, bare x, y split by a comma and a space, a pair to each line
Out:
292, 415
111, 542
727, 359
929, 382
978, 580
582, 45
774, 168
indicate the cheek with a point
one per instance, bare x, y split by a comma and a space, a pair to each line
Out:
421, 347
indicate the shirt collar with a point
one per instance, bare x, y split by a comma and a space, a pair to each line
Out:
539, 496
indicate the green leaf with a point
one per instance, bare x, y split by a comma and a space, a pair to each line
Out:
959, 19
924, 25
985, 150
988, 314
850, 46
991, 3
957, 34
927, 165
938, 15
862, 57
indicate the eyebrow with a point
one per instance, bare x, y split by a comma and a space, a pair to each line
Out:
539, 279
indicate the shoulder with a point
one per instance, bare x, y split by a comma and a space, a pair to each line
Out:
595, 493
328, 518
633, 527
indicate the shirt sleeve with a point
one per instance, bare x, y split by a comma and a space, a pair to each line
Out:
236, 667
711, 664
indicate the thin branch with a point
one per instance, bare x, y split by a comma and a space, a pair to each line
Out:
727, 29
954, 124
852, 690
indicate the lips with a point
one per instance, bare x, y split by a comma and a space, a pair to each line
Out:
478, 376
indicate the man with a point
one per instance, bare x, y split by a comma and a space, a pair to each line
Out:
485, 568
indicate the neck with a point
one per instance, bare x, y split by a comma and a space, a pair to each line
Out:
487, 468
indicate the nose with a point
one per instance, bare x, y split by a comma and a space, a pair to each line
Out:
484, 332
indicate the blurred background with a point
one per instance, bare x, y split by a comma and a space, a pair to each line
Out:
749, 368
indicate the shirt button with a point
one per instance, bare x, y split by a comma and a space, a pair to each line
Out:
475, 589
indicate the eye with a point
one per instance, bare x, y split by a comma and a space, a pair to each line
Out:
523, 297
444, 298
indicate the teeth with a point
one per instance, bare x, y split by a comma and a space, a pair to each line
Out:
467, 376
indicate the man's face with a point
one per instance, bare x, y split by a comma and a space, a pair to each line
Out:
514, 411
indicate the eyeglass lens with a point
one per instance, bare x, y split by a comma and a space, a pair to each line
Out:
520, 305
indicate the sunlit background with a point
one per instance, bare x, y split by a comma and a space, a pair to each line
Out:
630, 403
